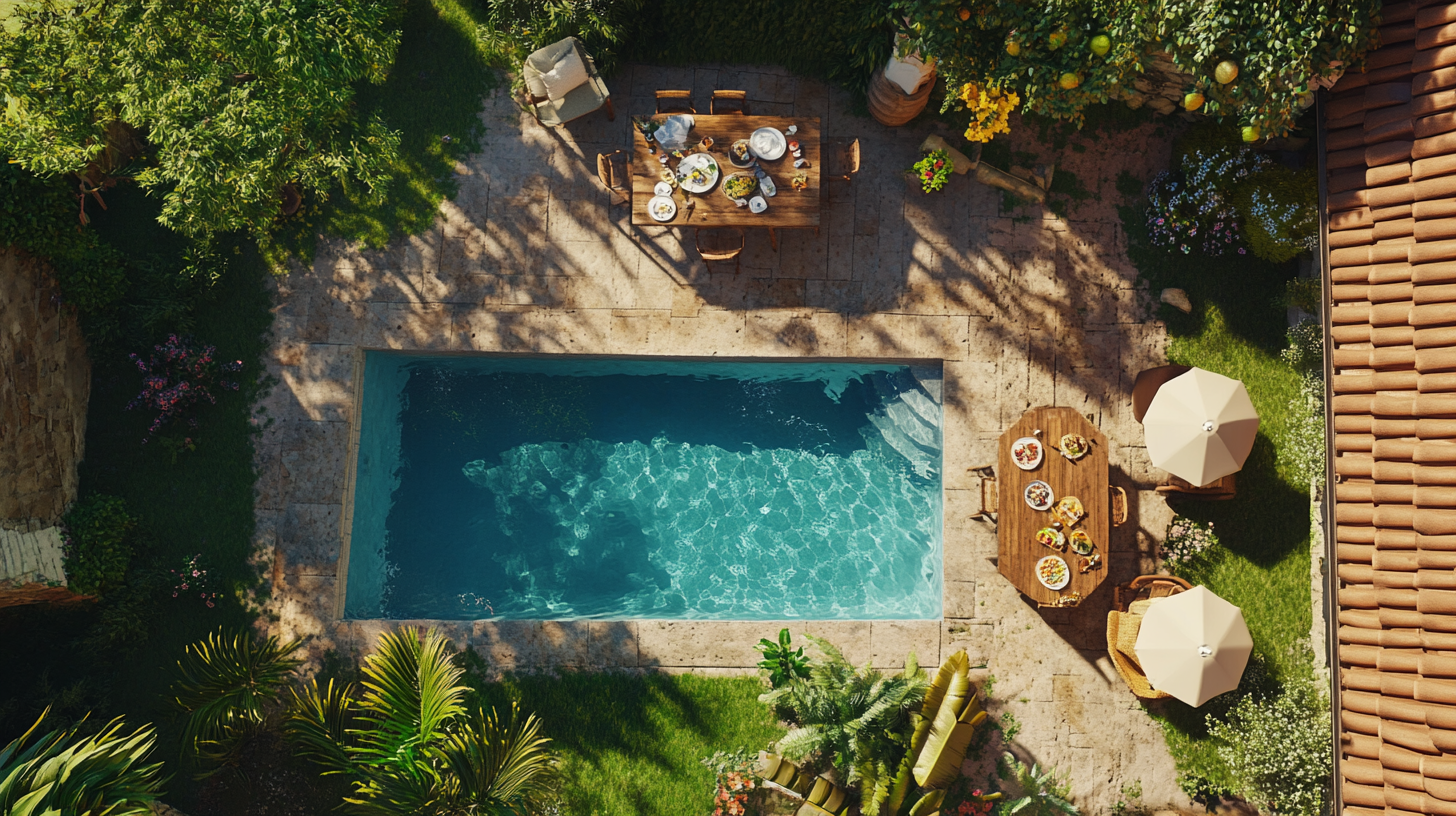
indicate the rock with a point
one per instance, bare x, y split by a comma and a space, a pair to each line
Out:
1178, 299
962, 164
988, 175
1162, 105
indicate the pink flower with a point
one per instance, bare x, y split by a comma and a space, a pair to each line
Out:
939, 165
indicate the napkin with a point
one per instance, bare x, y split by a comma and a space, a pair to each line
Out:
673, 133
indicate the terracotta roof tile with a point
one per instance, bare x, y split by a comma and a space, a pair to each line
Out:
1433, 383
1434, 338
1430, 103
1392, 93
1438, 272
1357, 553
1377, 155
1353, 157
1349, 120
1435, 15
1395, 229
1398, 12
1352, 219
1346, 139
1392, 173
1435, 314
1393, 33
1347, 200
1347, 180
1427, 293
1355, 237
1375, 119
1351, 333
1403, 54
1400, 72
1436, 359
1392, 335
1349, 81
1429, 37
1438, 145
1433, 208
1430, 81
1354, 442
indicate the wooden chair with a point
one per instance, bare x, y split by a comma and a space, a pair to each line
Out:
1119, 505
840, 161
1130, 601
675, 102
613, 169
1221, 490
724, 102
1146, 588
721, 244
1146, 386
990, 498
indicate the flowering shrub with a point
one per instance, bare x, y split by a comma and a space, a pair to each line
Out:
934, 170
1185, 540
192, 579
978, 803
1277, 749
735, 787
990, 109
180, 375
1279, 213
1194, 206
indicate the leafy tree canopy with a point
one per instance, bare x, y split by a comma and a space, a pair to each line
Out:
214, 105
1050, 53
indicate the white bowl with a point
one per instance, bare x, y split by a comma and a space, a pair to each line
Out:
662, 189
757, 204
768, 143
665, 204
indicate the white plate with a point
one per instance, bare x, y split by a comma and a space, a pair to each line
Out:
698, 161
757, 204
1066, 572
766, 184
662, 208
768, 143
1040, 452
662, 189
1051, 497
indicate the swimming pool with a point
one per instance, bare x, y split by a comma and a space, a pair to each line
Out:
573, 488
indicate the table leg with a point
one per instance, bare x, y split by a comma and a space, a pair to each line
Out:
773, 239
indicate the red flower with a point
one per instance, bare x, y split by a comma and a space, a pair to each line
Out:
939, 165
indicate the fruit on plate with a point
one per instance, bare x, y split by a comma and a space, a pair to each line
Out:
1075, 446
1051, 537
1069, 81
1101, 44
740, 152
1070, 510
1026, 452
1038, 495
1192, 101
1052, 571
1090, 563
1226, 72
1081, 542
1251, 133
740, 185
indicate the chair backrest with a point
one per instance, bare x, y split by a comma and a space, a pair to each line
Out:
675, 102
1122, 631
729, 102
610, 169
843, 158
1146, 386
719, 244
1144, 587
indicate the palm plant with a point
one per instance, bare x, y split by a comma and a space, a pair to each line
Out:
1043, 793
410, 745
104, 774
855, 719
227, 687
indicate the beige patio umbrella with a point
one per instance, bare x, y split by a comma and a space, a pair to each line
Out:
1193, 645
1200, 426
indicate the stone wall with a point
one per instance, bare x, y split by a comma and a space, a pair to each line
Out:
45, 383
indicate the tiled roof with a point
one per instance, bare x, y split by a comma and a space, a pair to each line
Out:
1390, 152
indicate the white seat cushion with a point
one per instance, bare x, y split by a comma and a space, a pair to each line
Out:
568, 75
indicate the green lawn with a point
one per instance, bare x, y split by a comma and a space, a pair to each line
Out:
1237, 329
630, 744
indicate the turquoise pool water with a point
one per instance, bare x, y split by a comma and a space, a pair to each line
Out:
571, 488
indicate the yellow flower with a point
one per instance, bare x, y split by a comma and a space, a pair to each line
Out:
989, 107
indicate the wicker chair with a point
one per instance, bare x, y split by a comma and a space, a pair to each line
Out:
721, 244
728, 102
675, 102
612, 169
1131, 601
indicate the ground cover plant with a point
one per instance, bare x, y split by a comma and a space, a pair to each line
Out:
1261, 560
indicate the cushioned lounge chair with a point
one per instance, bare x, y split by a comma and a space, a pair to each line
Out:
1130, 602
576, 103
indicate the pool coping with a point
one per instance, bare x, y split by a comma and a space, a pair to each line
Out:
351, 466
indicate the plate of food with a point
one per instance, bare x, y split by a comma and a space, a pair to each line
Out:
1026, 452
1051, 537
739, 185
698, 172
1075, 446
1052, 571
662, 208
1069, 510
768, 143
740, 153
1081, 542
1038, 495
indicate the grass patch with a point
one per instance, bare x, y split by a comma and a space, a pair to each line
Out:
630, 745
433, 99
1237, 328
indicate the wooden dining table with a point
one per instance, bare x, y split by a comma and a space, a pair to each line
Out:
1018, 522
788, 209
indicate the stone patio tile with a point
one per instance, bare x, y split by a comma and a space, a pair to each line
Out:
891, 641
971, 396
969, 549
645, 289
308, 539
268, 490
407, 326
963, 448
783, 333
313, 472
977, 639
580, 220
304, 605
959, 600
730, 644
908, 337
641, 331
322, 382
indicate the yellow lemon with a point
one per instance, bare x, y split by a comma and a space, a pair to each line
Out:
1251, 133
1193, 101
1057, 39
965, 14
1013, 48
1101, 44
1226, 72
1069, 81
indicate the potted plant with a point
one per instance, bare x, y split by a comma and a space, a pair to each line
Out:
933, 170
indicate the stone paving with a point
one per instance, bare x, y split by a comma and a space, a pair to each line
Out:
1022, 307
